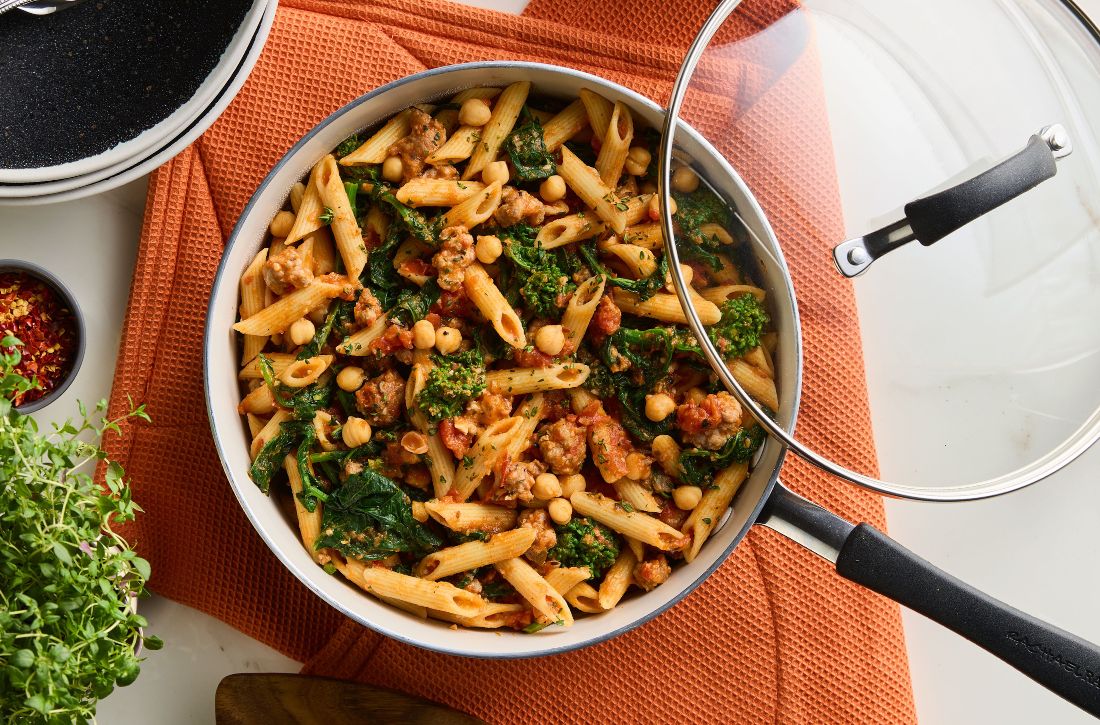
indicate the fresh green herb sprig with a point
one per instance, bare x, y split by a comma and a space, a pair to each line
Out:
68, 631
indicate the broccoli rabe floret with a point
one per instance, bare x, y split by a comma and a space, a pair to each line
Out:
583, 542
452, 382
742, 324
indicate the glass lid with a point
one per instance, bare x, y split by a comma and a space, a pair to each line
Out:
916, 187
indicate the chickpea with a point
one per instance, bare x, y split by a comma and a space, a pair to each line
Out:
638, 159
654, 209
488, 249
447, 340
496, 171
415, 442
560, 511
659, 406
550, 339
393, 169
573, 483
687, 497
553, 189
424, 336
302, 331
350, 378
356, 432
667, 452
685, 180
546, 486
474, 112
282, 223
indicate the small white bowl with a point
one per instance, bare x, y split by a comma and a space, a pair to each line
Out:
231, 435
141, 144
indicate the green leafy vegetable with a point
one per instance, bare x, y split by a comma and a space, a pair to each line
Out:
693, 210
546, 283
340, 314
452, 382
368, 517
412, 305
416, 224
739, 330
68, 633
644, 288
584, 542
348, 145
311, 487
352, 190
582, 151
526, 146
700, 466
269, 461
327, 215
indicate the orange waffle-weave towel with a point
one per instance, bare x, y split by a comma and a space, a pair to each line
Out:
774, 634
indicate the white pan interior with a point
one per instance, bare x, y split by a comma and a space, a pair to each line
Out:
231, 435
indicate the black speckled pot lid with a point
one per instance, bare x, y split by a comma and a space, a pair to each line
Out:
77, 83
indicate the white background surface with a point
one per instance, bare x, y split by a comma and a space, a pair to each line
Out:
1033, 549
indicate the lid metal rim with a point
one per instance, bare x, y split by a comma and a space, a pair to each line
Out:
1076, 444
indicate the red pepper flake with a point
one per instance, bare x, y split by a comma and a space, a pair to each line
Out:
33, 312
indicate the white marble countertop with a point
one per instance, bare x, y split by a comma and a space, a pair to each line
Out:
1033, 549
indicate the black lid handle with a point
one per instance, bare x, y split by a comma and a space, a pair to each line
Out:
931, 218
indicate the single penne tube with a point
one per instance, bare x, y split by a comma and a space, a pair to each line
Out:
358, 343
252, 301
616, 144
580, 399
565, 125
720, 293
530, 412
475, 210
485, 294
639, 260
353, 570
518, 381
564, 578
586, 183
443, 596
289, 308
637, 495
758, 358
582, 305
756, 383
255, 424
585, 598
666, 307
637, 209
373, 150
307, 217
643, 527
297, 193
269, 431
599, 111
530, 585
708, 513
666, 451
493, 615
437, 192
483, 455
279, 362
617, 579
323, 251
458, 147
648, 235
505, 112
463, 517
475, 554
309, 522
301, 373
716, 231
440, 463
636, 546
569, 229
260, 401
345, 229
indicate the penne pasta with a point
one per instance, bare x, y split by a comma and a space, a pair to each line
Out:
487, 297
666, 307
565, 125
721, 293
253, 296
458, 147
345, 229
290, 308
475, 210
441, 596
582, 305
440, 464
648, 235
463, 517
646, 529
309, 522
475, 554
599, 111
617, 579
358, 344
505, 112
374, 149
616, 144
269, 431
586, 183
492, 615
437, 192
307, 217
542, 597
279, 363
639, 260
484, 454
569, 229
584, 598
637, 495
564, 578
708, 513
518, 381
755, 382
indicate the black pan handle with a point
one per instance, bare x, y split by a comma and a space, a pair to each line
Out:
931, 218
1067, 665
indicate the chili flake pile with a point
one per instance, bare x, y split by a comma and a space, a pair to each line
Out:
33, 312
